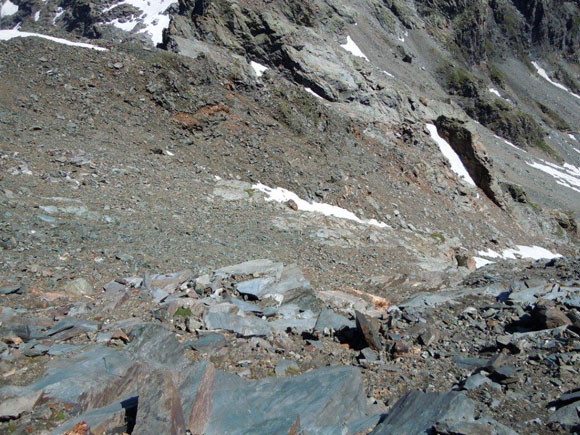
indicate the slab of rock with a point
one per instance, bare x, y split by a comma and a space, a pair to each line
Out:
567, 416
226, 317
14, 407
253, 267
112, 418
209, 342
329, 401
66, 380
418, 412
452, 412
257, 287
477, 380
157, 347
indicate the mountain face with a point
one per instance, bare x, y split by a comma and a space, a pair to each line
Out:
372, 206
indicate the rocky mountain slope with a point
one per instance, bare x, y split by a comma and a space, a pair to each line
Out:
399, 163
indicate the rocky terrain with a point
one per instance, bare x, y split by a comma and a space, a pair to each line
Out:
288, 216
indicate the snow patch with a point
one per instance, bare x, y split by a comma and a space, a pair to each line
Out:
480, 262
36, 15
258, 68
8, 8
507, 142
280, 194
567, 175
532, 252
389, 74
310, 91
571, 136
450, 155
6, 35
542, 72
495, 92
57, 15
153, 17
352, 48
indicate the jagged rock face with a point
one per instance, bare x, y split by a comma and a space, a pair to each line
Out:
484, 30
553, 24
282, 35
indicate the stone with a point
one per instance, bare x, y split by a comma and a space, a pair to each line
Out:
113, 418
170, 282
369, 354
79, 287
505, 375
469, 363
568, 417
226, 316
70, 323
547, 316
257, 287
477, 380
245, 306
14, 407
209, 342
429, 337
156, 346
113, 287
418, 412
261, 267
291, 317
499, 360
328, 400
569, 397
11, 289
330, 320
368, 331
161, 407
67, 379
284, 366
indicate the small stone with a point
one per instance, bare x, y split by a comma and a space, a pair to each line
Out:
401, 348
79, 287
499, 360
429, 337
126, 258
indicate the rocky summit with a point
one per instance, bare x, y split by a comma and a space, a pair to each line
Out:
289, 217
